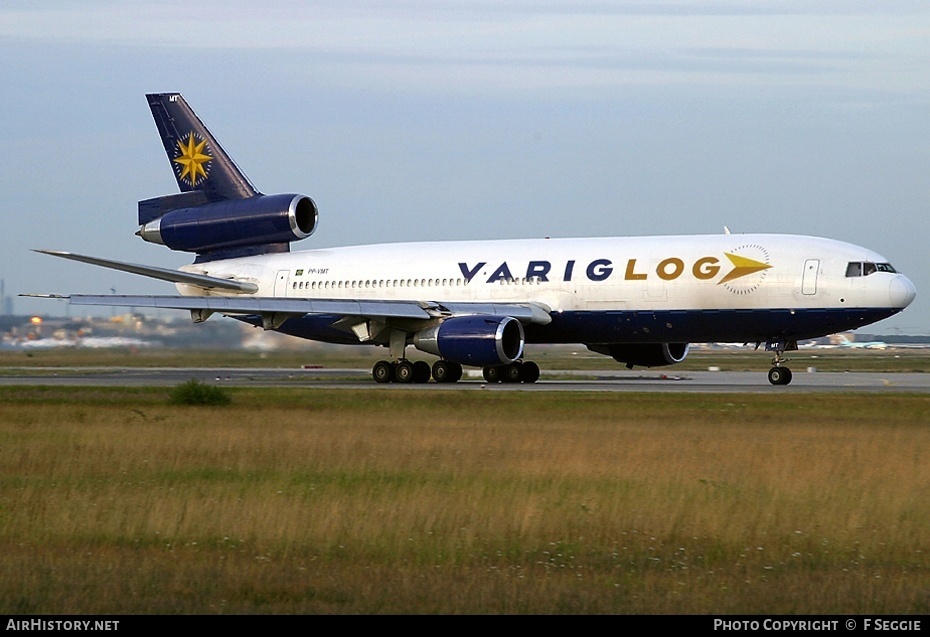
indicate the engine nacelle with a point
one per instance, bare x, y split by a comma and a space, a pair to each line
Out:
474, 340
235, 223
644, 354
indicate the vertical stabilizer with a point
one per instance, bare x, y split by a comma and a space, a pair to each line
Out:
198, 161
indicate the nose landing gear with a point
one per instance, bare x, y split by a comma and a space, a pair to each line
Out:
779, 374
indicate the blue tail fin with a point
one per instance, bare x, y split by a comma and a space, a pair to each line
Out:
198, 161
218, 214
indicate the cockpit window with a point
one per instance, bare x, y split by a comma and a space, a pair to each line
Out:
865, 268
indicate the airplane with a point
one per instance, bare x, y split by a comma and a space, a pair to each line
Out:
843, 341
640, 300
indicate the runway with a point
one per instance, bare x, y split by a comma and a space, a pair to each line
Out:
603, 381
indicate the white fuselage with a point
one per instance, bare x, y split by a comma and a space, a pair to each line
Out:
719, 272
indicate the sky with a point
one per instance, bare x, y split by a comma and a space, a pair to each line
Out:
478, 119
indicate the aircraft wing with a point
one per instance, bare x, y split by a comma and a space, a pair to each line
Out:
201, 307
163, 274
372, 309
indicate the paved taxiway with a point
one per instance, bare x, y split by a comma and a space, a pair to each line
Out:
611, 381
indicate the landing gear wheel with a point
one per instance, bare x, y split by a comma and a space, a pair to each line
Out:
529, 372
383, 372
403, 373
421, 372
513, 373
446, 372
493, 374
779, 375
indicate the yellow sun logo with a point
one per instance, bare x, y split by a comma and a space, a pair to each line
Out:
192, 160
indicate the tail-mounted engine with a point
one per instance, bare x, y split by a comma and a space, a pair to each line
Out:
261, 221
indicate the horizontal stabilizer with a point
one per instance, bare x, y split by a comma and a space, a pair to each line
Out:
163, 274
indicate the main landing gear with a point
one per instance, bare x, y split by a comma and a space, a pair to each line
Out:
779, 374
402, 371
516, 372
442, 371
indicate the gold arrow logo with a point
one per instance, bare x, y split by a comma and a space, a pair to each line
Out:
742, 267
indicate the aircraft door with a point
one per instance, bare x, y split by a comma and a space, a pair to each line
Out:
809, 278
280, 283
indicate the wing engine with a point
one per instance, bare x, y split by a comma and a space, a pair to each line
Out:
643, 354
474, 340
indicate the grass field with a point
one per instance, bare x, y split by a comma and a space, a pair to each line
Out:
316, 501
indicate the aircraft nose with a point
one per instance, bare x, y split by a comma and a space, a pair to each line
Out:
901, 291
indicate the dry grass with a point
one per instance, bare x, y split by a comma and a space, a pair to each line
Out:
112, 501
